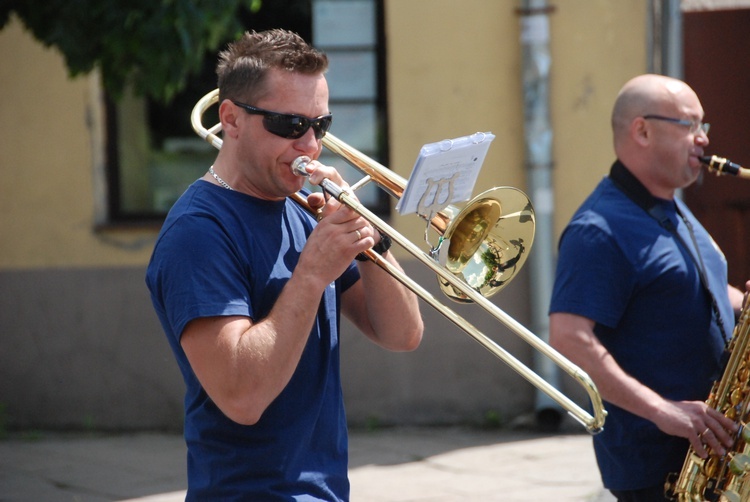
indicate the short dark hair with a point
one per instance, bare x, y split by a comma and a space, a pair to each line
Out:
244, 64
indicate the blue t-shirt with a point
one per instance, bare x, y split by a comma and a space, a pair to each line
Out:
223, 253
618, 267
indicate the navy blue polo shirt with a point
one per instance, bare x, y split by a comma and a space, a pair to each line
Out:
620, 268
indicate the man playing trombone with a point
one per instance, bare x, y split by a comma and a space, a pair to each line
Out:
249, 288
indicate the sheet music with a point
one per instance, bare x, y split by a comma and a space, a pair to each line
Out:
445, 173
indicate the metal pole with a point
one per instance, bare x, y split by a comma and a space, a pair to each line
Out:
535, 36
671, 39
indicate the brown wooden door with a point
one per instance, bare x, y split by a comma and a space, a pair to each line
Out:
717, 66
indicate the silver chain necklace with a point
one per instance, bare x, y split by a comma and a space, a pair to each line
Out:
221, 181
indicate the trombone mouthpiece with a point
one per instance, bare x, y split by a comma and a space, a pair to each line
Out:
299, 166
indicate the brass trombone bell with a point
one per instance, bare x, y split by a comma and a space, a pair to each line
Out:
489, 241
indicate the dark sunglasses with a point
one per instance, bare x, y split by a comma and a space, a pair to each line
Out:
289, 125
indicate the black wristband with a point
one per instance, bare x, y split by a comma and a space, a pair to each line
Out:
380, 248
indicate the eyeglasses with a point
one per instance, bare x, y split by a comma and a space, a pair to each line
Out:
694, 125
289, 125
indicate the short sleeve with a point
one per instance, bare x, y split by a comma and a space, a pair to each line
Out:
197, 273
594, 278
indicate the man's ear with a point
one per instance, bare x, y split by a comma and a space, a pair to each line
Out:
640, 131
228, 116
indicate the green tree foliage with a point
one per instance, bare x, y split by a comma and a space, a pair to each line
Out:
151, 45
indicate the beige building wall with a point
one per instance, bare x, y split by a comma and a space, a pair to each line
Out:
82, 347
51, 161
455, 74
454, 69
597, 46
87, 348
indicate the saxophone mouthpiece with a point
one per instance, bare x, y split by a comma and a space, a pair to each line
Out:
720, 165
299, 166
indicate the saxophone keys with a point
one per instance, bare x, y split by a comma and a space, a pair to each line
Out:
743, 374
730, 496
740, 464
731, 413
743, 433
736, 396
711, 467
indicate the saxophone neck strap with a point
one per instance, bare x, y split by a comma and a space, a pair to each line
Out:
638, 193
631, 186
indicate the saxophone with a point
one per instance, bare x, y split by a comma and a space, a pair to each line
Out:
724, 478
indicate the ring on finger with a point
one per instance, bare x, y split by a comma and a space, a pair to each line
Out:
359, 235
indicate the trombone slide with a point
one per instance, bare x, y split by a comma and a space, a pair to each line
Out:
593, 423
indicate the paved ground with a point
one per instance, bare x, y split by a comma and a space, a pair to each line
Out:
393, 465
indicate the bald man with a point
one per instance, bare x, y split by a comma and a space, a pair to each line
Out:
641, 300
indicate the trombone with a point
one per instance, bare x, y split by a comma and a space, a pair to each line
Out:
476, 244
